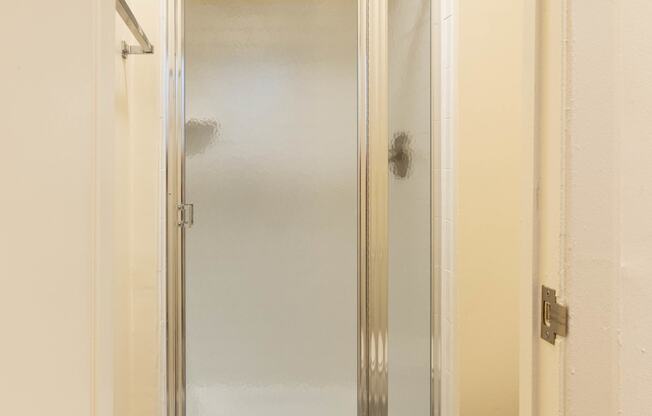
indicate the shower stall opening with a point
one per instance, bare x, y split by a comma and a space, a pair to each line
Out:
302, 208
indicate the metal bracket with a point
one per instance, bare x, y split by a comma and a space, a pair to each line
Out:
145, 46
554, 317
186, 215
134, 50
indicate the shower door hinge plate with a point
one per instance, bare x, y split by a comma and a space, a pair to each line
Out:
186, 215
554, 317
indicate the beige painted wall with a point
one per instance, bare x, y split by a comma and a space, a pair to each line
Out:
491, 217
593, 206
56, 244
608, 367
139, 178
80, 174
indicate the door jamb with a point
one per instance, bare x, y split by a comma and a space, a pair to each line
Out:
529, 293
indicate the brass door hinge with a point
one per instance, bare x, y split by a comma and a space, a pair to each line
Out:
554, 317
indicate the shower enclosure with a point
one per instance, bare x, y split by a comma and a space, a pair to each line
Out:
302, 207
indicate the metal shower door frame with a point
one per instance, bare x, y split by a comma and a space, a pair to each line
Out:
373, 133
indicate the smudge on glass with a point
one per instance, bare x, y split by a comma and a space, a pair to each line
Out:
400, 155
200, 135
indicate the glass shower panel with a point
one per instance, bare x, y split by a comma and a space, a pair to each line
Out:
409, 208
271, 168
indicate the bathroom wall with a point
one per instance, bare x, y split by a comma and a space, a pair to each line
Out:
634, 102
608, 367
139, 180
56, 175
600, 205
490, 217
82, 185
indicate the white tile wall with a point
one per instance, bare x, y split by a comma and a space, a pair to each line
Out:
448, 404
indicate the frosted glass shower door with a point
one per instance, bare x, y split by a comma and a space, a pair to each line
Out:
271, 168
412, 307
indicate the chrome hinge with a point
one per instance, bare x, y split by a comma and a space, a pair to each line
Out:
186, 215
554, 317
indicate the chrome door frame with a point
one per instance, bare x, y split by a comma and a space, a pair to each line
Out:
436, 204
373, 220
373, 133
175, 400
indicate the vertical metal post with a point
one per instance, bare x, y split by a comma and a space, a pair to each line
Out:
175, 296
435, 209
374, 105
363, 324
